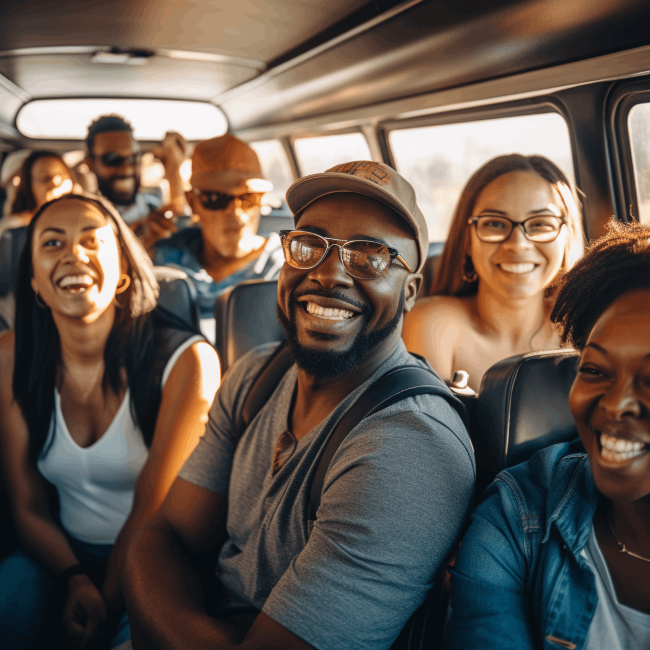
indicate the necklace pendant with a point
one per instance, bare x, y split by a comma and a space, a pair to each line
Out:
621, 547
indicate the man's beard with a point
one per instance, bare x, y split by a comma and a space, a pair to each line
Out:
105, 186
330, 364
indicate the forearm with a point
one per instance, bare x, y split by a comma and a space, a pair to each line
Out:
176, 188
164, 596
40, 536
112, 587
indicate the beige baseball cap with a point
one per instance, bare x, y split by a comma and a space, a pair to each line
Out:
373, 179
227, 164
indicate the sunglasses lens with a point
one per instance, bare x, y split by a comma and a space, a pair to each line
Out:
365, 260
221, 200
115, 160
215, 200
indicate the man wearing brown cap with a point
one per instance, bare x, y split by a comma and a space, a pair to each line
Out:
332, 560
224, 248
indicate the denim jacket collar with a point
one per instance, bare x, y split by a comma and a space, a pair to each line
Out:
572, 502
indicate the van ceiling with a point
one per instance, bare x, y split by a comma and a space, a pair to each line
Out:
269, 62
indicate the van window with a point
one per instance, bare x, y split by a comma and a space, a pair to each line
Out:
68, 119
438, 160
275, 167
638, 122
315, 155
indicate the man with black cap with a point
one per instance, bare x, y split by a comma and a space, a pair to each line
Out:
349, 571
224, 249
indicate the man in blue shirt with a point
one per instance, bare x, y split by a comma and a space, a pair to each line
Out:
224, 249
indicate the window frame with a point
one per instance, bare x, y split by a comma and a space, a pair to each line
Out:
534, 106
58, 140
623, 98
303, 135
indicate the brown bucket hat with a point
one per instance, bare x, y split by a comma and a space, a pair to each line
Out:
226, 164
373, 179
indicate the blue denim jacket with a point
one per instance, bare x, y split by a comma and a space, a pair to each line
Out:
182, 251
520, 580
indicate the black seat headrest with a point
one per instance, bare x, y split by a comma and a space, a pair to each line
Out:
245, 318
523, 407
178, 294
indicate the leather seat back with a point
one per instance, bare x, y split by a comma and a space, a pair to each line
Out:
522, 407
430, 267
245, 318
178, 294
12, 243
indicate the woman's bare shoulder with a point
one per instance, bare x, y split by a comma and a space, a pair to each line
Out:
443, 310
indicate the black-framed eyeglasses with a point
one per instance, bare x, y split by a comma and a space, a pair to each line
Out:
112, 159
221, 200
543, 228
362, 259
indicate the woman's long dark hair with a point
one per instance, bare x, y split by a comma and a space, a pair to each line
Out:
129, 345
449, 280
24, 200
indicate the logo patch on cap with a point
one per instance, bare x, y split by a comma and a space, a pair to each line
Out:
364, 169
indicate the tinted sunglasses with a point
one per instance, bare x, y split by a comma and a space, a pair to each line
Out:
112, 159
221, 200
365, 260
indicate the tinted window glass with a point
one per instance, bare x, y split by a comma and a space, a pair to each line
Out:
275, 166
315, 155
639, 128
150, 118
438, 160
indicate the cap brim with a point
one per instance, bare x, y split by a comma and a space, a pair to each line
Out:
208, 181
309, 188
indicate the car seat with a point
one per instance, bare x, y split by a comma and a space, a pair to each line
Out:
178, 294
522, 407
245, 318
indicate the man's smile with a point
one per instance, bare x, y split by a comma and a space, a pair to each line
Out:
326, 308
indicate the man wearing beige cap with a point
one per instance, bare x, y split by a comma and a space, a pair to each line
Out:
341, 493
224, 248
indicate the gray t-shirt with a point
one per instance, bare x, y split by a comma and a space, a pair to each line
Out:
394, 500
614, 626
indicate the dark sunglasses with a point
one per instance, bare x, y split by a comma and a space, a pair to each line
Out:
364, 260
221, 200
112, 159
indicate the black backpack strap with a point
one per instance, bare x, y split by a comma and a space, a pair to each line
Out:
264, 385
394, 386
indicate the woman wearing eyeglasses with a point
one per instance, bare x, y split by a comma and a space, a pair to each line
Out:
517, 225
558, 553
103, 396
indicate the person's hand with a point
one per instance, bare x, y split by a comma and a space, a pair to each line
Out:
157, 225
172, 152
84, 612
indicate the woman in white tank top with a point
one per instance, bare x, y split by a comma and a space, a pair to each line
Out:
105, 396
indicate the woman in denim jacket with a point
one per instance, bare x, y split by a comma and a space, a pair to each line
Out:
558, 553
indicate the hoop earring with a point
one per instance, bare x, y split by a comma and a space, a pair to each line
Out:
469, 272
125, 283
119, 305
39, 301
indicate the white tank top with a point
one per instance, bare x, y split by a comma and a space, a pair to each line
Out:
96, 484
